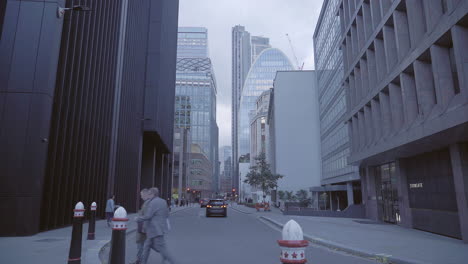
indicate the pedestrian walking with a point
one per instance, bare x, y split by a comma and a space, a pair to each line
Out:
110, 206
141, 232
155, 221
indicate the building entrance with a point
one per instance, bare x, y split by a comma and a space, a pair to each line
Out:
388, 193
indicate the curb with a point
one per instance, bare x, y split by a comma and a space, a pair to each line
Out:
236, 209
383, 258
129, 231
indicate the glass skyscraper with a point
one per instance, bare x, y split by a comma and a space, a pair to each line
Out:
260, 78
195, 106
258, 45
245, 49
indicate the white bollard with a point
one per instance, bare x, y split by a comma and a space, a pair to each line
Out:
293, 244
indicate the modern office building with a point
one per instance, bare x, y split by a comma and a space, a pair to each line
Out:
192, 42
245, 49
195, 81
225, 153
241, 61
259, 79
259, 129
294, 130
226, 177
406, 83
73, 126
200, 174
340, 181
258, 44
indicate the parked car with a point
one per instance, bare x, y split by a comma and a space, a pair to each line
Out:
216, 207
204, 202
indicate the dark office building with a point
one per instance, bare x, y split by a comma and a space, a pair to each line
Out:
86, 107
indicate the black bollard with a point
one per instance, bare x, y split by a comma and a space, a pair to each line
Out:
92, 222
74, 256
119, 230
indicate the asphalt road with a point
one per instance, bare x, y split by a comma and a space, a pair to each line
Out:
237, 239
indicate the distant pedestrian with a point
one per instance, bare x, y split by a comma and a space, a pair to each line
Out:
110, 206
141, 232
155, 222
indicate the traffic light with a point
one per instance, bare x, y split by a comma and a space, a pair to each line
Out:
188, 189
233, 189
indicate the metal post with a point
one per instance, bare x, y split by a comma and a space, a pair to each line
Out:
119, 230
74, 256
92, 222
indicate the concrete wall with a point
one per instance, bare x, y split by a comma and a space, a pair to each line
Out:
297, 142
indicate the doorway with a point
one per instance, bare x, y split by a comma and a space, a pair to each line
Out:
388, 192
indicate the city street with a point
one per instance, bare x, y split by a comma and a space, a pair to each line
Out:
238, 238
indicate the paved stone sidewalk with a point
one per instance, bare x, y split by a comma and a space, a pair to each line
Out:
52, 247
385, 242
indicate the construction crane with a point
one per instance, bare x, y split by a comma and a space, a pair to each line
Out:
294, 53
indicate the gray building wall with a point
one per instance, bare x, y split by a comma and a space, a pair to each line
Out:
406, 83
296, 130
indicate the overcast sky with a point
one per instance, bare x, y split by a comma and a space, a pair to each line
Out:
268, 18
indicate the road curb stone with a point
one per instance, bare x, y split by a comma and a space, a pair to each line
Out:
383, 258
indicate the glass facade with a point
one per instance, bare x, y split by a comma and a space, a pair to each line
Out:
260, 78
332, 99
259, 44
192, 42
195, 106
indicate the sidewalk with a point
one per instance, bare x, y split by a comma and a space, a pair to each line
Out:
52, 247
384, 242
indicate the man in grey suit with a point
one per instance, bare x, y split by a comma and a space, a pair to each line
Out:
156, 225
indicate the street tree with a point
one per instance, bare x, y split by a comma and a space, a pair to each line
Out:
302, 198
290, 196
281, 195
260, 176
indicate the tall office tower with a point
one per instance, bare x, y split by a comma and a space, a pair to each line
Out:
332, 109
258, 44
196, 82
73, 124
225, 168
192, 42
406, 84
241, 61
260, 78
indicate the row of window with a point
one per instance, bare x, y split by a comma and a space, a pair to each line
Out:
337, 138
327, 33
336, 165
334, 114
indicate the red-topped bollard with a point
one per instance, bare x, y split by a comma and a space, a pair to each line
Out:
74, 256
293, 244
119, 229
92, 222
